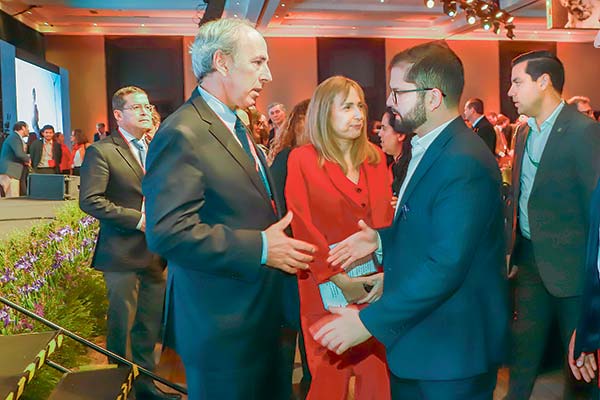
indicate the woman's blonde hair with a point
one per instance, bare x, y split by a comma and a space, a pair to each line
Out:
320, 130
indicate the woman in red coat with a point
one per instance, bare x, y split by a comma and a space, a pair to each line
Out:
332, 183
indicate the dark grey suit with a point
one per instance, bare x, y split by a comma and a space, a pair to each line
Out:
206, 206
111, 191
13, 156
36, 149
486, 132
551, 264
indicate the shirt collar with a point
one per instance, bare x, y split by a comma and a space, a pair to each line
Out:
426, 141
225, 113
477, 121
549, 122
128, 136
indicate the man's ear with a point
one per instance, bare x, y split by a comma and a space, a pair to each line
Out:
118, 114
221, 62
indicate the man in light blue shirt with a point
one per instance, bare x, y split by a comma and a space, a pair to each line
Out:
555, 170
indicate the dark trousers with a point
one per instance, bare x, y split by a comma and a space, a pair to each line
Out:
479, 387
135, 307
45, 171
535, 309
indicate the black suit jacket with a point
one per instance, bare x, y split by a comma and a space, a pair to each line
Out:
485, 131
588, 329
559, 203
111, 191
12, 156
206, 206
36, 148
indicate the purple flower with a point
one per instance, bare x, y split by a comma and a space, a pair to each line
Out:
8, 276
25, 324
5, 316
39, 309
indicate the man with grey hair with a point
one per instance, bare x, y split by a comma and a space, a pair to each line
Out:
278, 116
583, 105
101, 132
212, 212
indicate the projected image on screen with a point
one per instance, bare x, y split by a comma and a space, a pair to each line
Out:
38, 96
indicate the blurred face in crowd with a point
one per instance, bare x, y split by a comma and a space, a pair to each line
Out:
101, 128
347, 115
469, 113
136, 115
60, 139
527, 94
24, 131
585, 108
48, 134
246, 72
277, 114
391, 142
408, 106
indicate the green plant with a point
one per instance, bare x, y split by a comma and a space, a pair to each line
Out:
47, 270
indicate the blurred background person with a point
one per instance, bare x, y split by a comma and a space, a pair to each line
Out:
80, 144
277, 116
332, 183
13, 160
46, 153
583, 104
293, 135
101, 132
65, 160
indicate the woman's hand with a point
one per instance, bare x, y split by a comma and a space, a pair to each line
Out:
376, 283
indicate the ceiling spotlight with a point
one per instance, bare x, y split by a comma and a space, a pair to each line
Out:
486, 24
430, 3
471, 18
510, 19
468, 1
510, 31
499, 14
484, 6
496, 27
450, 8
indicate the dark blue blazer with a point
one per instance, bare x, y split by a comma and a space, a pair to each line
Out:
588, 329
444, 311
12, 156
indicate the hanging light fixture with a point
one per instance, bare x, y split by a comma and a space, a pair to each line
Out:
487, 13
429, 3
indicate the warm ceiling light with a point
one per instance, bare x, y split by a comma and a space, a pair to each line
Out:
499, 14
45, 23
486, 24
468, 1
95, 24
510, 19
430, 3
143, 25
450, 8
471, 18
282, 4
496, 27
484, 6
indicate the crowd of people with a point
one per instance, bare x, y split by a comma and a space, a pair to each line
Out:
247, 233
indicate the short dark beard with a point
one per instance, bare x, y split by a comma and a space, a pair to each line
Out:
413, 119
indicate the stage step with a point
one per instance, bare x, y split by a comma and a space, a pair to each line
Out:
22, 355
99, 383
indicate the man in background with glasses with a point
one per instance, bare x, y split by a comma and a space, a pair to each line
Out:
111, 191
555, 171
443, 316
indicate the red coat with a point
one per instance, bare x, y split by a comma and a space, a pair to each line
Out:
327, 207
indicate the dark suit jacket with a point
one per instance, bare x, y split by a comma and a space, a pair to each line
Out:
588, 329
111, 191
485, 130
97, 135
206, 206
12, 156
36, 148
560, 199
444, 311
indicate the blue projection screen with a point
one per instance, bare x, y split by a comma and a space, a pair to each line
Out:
38, 96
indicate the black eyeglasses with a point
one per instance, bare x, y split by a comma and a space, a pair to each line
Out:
138, 107
396, 92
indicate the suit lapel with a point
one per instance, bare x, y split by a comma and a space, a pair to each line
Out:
123, 149
431, 154
226, 138
552, 146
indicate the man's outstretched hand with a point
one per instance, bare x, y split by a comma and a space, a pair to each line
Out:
354, 247
285, 253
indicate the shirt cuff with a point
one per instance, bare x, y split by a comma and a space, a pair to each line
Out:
379, 251
140, 222
265, 248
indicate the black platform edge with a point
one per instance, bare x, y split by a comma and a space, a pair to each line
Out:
55, 339
102, 383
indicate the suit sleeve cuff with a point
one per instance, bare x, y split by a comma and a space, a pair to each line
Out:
379, 251
265, 248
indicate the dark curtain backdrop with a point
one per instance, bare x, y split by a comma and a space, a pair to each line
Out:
153, 63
